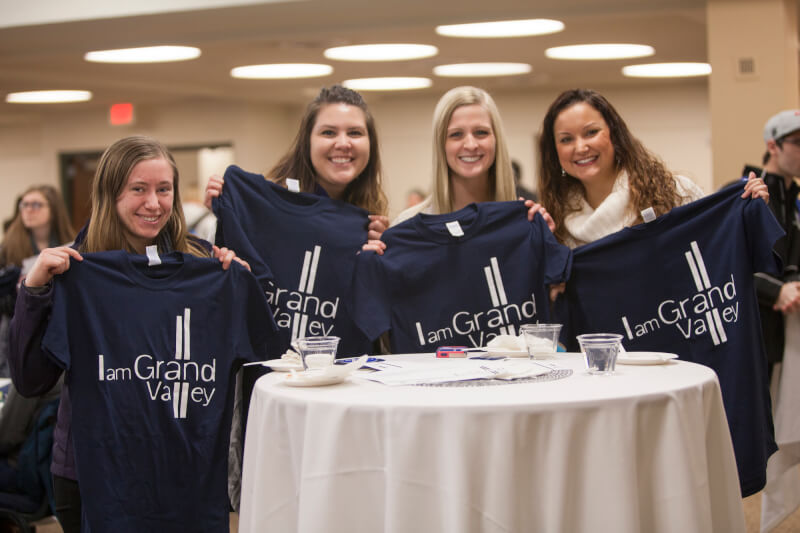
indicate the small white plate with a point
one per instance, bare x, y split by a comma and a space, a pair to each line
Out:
283, 365
312, 379
645, 358
508, 353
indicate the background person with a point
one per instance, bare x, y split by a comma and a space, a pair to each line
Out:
41, 222
780, 296
522, 191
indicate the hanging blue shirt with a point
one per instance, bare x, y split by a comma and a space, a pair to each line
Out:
433, 288
302, 248
150, 355
684, 284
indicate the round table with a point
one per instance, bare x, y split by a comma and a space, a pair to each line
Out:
645, 449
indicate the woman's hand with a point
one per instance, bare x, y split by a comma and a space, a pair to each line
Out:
50, 262
376, 245
225, 257
755, 188
213, 189
789, 298
534, 208
555, 290
377, 225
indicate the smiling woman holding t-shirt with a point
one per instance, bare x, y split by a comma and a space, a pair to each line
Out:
135, 204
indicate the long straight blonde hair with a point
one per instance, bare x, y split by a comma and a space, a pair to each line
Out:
501, 176
106, 231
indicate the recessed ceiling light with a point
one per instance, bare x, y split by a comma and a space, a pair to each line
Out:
600, 51
502, 28
387, 84
667, 70
48, 97
147, 54
481, 69
281, 71
381, 52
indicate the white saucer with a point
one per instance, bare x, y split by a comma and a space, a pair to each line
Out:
507, 353
283, 365
312, 379
645, 358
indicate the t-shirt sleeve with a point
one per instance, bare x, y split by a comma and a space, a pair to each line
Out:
370, 296
231, 232
259, 338
762, 230
557, 257
56, 337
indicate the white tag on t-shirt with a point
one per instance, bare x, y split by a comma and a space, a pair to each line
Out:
648, 215
455, 228
293, 184
152, 255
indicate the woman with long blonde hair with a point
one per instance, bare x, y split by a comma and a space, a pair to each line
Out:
470, 154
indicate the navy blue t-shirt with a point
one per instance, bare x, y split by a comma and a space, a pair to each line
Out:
302, 248
431, 288
150, 355
684, 284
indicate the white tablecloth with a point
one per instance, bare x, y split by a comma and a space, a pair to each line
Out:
645, 450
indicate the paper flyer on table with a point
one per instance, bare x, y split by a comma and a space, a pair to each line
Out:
463, 370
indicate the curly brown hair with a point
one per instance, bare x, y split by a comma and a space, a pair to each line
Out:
650, 183
366, 190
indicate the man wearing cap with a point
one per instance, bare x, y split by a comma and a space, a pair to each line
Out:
781, 296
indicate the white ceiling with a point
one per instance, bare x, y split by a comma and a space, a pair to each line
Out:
50, 56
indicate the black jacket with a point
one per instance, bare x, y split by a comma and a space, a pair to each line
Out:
783, 205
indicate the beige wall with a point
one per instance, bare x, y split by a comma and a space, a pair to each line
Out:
672, 120
764, 32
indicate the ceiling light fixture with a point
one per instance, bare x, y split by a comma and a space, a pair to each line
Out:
599, 51
48, 97
502, 28
387, 84
381, 52
667, 70
465, 70
147, 54
281, 71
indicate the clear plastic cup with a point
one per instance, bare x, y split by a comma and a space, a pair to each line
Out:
600, 351
317, 352
541, 339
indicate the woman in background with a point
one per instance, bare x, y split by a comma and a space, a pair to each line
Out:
41, 222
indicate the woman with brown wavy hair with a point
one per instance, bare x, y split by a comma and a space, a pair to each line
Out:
595, 177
